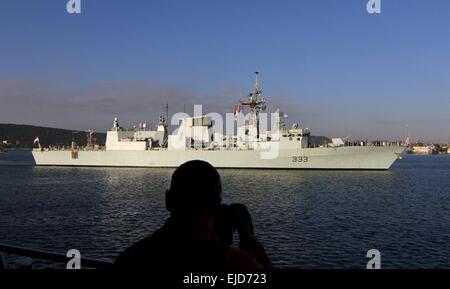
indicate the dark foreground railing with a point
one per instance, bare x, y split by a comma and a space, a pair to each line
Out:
50, 256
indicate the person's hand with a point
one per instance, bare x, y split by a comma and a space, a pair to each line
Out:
247, 239
254, 247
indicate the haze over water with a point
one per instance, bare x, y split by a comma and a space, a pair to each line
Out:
305, 219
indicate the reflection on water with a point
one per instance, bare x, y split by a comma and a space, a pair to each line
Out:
306, 219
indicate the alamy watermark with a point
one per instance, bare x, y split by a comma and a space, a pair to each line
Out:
373, 7
74, 6
248, 126
75, 259
375, 259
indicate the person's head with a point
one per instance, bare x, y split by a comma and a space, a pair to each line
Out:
195, 190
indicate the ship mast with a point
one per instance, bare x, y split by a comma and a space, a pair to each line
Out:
255, 102
167, 111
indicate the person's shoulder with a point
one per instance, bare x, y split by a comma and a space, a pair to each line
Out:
143, 250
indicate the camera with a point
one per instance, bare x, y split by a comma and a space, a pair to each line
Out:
233, 218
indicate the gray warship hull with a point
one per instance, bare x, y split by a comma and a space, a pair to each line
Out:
345, 157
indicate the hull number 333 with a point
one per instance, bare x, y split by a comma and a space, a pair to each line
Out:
300, 159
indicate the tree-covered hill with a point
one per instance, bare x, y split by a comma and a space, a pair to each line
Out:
22, 136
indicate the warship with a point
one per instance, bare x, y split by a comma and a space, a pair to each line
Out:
250, 147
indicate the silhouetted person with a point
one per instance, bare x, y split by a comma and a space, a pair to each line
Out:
199, 232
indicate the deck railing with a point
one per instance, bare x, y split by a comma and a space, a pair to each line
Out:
50, 256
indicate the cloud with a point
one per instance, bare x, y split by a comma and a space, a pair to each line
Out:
45, 103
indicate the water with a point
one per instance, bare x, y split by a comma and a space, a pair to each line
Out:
305, 219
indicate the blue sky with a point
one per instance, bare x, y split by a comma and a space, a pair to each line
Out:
329, 64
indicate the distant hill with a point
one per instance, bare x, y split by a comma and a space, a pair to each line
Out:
22, 136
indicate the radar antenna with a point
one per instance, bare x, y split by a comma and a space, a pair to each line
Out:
255, 102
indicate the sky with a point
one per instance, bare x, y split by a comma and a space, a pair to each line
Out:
328, 64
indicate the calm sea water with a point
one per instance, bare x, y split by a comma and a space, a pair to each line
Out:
305, 219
